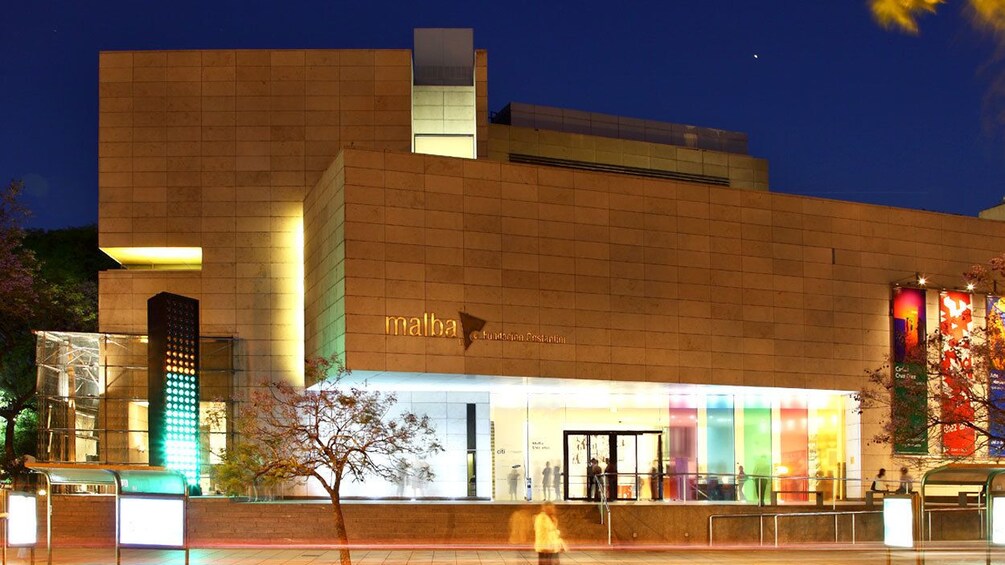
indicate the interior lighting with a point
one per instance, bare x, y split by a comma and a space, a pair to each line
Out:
970, 287
922, 281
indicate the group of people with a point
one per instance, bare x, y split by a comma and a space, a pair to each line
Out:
882, 484
597, 478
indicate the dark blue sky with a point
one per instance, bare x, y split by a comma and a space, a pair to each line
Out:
840, 108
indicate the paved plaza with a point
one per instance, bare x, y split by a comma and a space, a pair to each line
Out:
945, 555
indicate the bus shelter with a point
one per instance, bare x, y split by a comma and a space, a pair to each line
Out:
150, 503
990, 479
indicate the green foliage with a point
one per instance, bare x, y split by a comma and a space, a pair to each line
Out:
25, 432
242, 472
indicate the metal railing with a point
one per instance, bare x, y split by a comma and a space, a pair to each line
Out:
776, 516
980, 510
604, 506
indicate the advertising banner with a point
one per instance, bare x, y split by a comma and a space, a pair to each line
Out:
956, 322
996, 377
910, 393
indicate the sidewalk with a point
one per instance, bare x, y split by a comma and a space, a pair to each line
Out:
691, 556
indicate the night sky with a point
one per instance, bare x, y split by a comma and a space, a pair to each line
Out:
839, 107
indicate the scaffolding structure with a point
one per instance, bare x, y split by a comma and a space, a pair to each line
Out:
92, 397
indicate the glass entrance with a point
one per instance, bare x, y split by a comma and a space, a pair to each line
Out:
624, 465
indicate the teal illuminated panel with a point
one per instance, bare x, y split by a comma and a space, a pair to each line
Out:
719, 410
173, 383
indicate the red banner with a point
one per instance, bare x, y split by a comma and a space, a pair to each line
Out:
956, 322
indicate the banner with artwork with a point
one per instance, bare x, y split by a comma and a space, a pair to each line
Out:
956, 322
910, 392
996, 377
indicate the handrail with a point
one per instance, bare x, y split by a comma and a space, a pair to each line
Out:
775, 517
978, 509
604, 507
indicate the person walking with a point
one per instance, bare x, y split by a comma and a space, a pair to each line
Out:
547, 537
556, 477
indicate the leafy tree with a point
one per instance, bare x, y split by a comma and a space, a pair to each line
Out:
49, 282
903, 14
19, 301
331, 433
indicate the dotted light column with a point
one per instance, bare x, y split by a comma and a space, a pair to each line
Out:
173, 383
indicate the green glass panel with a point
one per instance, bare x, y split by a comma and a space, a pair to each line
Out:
756, 445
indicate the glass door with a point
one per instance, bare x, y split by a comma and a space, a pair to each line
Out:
626, 465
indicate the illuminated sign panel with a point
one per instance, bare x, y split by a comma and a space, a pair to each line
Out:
22, 523
158, 522
173, 383
956, 323
998, 520
910, 392
898, 521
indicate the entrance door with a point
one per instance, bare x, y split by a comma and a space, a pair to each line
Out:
624, 459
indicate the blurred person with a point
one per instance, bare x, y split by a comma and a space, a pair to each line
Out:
741, 480
906, 482
556, 477
513, 479
879, 483
611, 479
546, 480
592, 472
654, 481
547, 537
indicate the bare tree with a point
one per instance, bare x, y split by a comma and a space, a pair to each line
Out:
331, 433
955, 398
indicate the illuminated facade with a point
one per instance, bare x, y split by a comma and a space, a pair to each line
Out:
549, 286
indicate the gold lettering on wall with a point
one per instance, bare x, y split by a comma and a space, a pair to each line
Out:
426, 326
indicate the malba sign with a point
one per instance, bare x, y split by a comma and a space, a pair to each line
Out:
466, 326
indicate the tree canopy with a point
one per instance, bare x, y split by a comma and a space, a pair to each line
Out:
49, 283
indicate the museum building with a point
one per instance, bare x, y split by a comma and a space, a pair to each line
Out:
550, 286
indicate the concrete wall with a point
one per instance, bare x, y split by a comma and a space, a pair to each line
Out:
215, 149
80, 521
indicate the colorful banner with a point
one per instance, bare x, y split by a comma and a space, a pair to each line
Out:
956, 322
996, 377
910, 392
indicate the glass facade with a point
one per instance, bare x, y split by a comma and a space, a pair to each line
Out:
537, 438
92, 391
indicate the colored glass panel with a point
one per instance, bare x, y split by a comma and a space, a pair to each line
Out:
910, 393
756, 458
996, 384
794, 461
719, 446
681, 443
826, 448
955, 326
